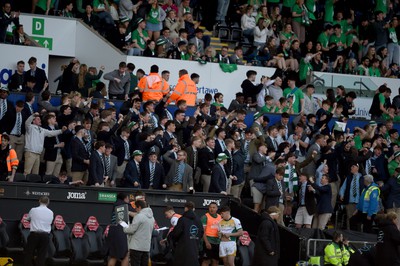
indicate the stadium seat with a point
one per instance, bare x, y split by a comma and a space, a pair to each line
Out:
223, 33
236, 35
60, 247
80, 244
47, 178
5, 248
95, 235
33, 178
24, 228
19, 177
245, 249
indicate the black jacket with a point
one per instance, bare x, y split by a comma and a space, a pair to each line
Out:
40, 77
207, 161
96, 169
79, 153
218, 180
250, 90
267, 241
50, 153
8, 120
158, 179
387, 248
186, 236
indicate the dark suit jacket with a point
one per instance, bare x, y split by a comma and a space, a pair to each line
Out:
96, 169
289, 127
187, 180
26, 112
8, 120
131, 175
273, 194
50, 153
218, 180
312, 166
270, 144
40, 77
207, 161
78, 153
158, 179
309, 200
119, 149
217, 149
113, 167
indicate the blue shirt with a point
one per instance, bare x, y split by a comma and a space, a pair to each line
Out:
356, 183
181, 170
303, 189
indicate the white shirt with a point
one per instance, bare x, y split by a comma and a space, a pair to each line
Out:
34, 136
41, 218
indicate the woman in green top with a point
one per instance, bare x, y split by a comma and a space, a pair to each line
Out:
263, 13
155, 17
287, 34
300, 18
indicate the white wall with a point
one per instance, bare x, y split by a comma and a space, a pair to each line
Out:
212, 78
93, 50
60, 30
11, 54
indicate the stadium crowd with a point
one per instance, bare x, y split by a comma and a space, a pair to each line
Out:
348, 37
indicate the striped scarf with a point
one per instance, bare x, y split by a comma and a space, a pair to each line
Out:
294, 179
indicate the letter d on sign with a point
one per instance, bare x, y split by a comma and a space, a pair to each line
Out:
38, 26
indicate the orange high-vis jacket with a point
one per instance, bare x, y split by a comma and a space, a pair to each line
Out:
12, 160
153, 87
185, 90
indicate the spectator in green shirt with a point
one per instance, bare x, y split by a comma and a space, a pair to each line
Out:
374, 70
139, 38
323, 38
295, 95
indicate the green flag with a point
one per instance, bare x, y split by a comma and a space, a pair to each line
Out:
228, 68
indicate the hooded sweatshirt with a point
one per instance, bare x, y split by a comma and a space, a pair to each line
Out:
140, 231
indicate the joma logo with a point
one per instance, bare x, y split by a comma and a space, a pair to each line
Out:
76, 195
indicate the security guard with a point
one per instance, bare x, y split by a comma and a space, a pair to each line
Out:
185, 89
367, 206
153, 87
333, 252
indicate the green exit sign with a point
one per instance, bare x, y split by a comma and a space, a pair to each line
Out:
38, 26
44, 42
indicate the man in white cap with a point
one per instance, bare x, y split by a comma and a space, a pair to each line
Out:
219, 179
132, 174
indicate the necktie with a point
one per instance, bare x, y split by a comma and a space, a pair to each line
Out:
152, 171
57, 139
169, 115
30, 108
138, 169
280, 189
108, 165
89, 142
354, 184
369, 166
223, 146
3, 108
19, 123
291, 172
154, 121
275, 144
194, 159
246, 148
301, 195
177, 173
126, 147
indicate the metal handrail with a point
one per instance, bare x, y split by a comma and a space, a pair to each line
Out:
315, 240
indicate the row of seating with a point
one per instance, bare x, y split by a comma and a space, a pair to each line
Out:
86, 245
76, 246
32, 178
